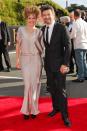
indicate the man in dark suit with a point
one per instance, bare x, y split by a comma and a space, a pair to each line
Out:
56, 61
4, 43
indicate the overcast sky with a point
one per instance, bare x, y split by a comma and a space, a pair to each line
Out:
63, 2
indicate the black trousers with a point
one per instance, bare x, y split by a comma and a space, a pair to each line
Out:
72, 58
4, 52
57, 89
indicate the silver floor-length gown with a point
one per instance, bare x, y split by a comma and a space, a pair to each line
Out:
31, 68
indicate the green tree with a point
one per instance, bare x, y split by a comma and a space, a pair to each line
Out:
11, 11
75, 6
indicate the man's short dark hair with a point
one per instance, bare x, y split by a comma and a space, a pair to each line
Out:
77, 13
46, 7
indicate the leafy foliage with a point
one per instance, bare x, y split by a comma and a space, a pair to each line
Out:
72, 7
11, 11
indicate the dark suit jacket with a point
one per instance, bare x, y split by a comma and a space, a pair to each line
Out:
58, 51
4, 34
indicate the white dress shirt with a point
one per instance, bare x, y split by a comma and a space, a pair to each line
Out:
79, 34
50, 30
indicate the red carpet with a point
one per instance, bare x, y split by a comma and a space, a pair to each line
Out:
12, 120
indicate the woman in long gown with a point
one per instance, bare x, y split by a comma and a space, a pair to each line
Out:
29, 53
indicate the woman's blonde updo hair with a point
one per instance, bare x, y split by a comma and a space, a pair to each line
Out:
31, 10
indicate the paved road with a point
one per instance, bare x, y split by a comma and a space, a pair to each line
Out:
11, 83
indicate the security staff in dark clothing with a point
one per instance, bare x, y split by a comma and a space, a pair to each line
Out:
4, 43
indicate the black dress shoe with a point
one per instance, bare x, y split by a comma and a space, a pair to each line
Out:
26, 117
78, 80
8, 70
85, 78
70, 72
33, 116
2, 69
67, 122
53, 113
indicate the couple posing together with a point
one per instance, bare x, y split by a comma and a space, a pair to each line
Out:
31, 42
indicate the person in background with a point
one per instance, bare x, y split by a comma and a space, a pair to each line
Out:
79, 34
86, 17
56, 61
29, 55
67, 21
83, 15
72, 57
4, 43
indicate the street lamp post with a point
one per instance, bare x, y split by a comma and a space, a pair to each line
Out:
66, 3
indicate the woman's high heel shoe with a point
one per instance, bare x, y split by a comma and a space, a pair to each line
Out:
33, 116
26, 117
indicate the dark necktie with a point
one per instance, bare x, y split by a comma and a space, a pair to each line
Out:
47, 35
